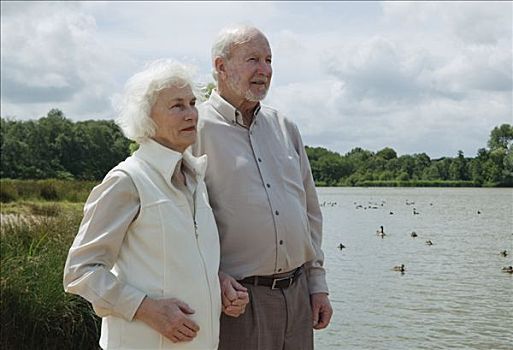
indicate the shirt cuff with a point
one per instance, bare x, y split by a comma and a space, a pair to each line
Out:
132, 299
317, 280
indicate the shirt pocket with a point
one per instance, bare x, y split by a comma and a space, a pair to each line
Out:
291, 178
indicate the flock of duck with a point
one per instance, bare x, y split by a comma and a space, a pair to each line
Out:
381, 231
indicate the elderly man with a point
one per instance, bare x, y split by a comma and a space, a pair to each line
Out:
263, 196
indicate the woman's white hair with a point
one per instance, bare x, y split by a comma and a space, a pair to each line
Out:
228, 38
141, 92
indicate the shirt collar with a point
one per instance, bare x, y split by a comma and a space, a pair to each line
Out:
164, 159
230, 113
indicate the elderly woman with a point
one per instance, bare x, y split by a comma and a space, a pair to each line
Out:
147, 252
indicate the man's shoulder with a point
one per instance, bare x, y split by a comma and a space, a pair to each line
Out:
204, 106
207, 112
272, 113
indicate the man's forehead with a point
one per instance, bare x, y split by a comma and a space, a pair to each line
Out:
253, 44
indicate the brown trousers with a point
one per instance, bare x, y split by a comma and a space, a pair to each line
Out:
279, 319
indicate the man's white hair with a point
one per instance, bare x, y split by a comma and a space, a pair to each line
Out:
229, 37
141, 92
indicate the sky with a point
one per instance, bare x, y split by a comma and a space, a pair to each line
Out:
420, 77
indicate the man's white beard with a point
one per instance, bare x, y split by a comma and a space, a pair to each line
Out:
248, 95
254, 98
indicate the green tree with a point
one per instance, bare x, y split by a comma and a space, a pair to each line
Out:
501, 137
387, 153
55, 147
431, 173
508, 167
458, 168
476, 169
407, 166
421, 162
208, 89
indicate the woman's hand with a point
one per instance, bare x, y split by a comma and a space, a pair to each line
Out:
169, 318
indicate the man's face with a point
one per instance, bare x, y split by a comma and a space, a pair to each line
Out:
248, 69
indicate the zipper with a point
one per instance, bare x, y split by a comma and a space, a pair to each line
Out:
203, 263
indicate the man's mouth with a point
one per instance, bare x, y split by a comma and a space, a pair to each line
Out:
191, 128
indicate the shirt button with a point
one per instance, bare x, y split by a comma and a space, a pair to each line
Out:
279, 270
259, 159
268, 186
281, 241
277, 212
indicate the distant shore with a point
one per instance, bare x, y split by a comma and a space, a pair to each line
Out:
414, 183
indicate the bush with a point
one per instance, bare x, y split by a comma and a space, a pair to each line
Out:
48, 192
8, 193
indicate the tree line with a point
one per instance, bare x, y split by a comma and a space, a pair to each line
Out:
492, 167
56, 147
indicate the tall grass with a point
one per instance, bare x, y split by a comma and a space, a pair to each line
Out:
36, 313
48, 190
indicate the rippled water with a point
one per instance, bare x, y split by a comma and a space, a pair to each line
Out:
453, 294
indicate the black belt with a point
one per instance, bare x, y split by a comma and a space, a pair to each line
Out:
274, 282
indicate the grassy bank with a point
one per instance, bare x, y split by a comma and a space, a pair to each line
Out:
45, 190
35, 311
416, 183
412, 183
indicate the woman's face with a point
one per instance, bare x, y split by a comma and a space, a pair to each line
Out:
175, 115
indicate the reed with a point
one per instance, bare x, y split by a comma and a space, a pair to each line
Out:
45, 190
36, 313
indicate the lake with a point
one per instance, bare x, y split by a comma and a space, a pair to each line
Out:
453, 294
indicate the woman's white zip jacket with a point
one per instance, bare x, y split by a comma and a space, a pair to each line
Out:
170, 250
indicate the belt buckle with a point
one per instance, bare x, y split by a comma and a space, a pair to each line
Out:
290, 278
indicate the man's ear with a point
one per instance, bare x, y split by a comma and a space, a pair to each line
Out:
220, 66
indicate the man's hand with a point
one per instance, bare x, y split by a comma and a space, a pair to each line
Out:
169, 318
321, 310
234, 295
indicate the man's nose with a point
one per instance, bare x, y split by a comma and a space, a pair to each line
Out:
265, 68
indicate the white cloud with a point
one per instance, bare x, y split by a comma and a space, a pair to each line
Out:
52, 57
413, 86
429, 77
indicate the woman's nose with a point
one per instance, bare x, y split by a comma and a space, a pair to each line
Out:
192, 113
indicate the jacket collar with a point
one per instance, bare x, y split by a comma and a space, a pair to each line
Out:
164, 159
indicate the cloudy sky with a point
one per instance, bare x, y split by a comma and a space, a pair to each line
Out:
415, 76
